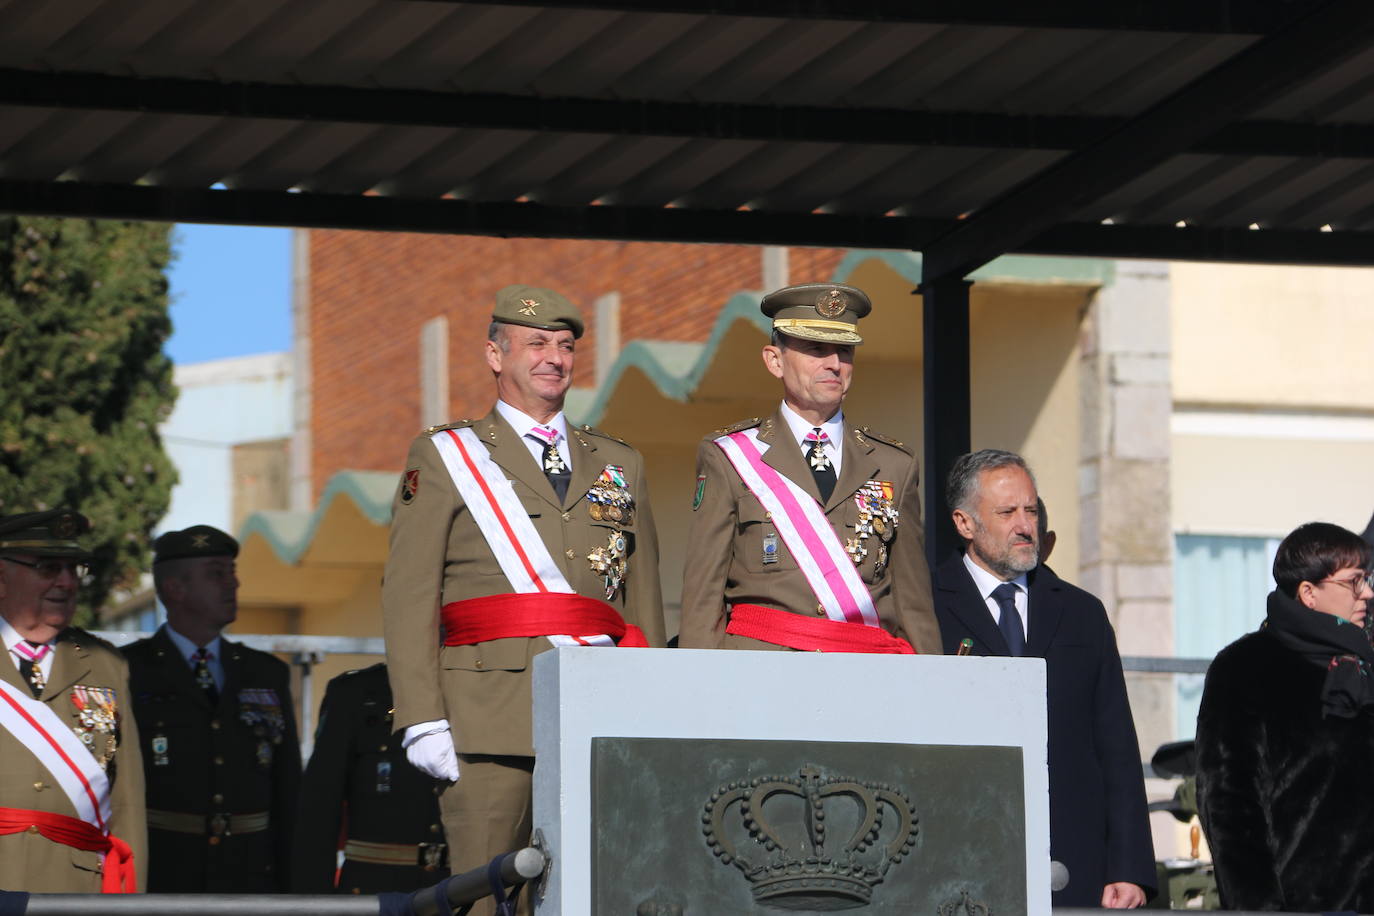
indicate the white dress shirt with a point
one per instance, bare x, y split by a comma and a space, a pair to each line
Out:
11, 636
985, 582
187, 648
833, 429
522, 423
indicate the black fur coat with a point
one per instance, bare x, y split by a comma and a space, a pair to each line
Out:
1286, 796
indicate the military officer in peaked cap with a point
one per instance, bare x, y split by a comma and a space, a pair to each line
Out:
218, 729
71, 785
806, 528
475, 498
359, 782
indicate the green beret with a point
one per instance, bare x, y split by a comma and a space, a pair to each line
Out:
193, 542
827, 312
45, 534
533, 307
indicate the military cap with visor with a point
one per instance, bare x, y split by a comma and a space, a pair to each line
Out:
193, 543
827, 312
533, 307
51, 533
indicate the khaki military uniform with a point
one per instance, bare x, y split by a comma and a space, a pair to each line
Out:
359, 779
725, 563
29, 861
438, 555
223, 779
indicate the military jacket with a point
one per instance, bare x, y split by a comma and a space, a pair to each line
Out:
358, 780
735, 554
438, 555
29, 861
238, 757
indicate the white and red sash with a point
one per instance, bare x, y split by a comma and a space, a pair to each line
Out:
43, 733
504, 523
805, 530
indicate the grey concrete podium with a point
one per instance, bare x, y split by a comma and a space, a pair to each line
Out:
676, 782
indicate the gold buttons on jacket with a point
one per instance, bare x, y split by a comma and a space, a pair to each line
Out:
435, 828
219, 761
33, 828
214, 723
567, 516
477, 664
820, 610
570, 554
217, 799
38, 786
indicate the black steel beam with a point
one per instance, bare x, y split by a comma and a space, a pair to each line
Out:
658, 224
947, 404
1228, 17
1255, 76
868, 126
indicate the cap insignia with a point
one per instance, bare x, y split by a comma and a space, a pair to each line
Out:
832, 304
200, 540
527, 306
65, 526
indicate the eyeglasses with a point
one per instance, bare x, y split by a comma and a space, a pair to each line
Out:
1356, 584
51, 569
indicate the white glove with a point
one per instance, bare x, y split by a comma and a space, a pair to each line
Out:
429, 748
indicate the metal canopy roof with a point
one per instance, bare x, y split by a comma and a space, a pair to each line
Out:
962, 128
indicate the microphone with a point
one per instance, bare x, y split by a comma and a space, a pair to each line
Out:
1059, 876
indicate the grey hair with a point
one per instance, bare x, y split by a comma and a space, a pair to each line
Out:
496, 333
963, 477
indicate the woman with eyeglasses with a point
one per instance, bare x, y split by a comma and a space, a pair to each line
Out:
1285, 737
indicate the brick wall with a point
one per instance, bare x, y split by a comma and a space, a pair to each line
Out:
371, 292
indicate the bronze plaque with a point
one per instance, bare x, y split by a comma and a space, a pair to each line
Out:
703, 827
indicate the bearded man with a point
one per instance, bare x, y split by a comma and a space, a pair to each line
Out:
1001, 598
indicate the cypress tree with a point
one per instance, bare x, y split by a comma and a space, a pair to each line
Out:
83, 319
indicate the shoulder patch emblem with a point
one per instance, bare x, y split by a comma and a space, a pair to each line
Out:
701, 492
410, 485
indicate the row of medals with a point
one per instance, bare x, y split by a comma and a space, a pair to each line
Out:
611, 501
96, 713
877, 516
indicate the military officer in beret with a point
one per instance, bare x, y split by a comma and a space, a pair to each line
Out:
515, 532
358, 779
218, 728
71, 783
806, 528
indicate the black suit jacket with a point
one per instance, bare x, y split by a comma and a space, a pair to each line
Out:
1099, 825
216, 759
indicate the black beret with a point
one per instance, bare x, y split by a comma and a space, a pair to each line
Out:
193, 542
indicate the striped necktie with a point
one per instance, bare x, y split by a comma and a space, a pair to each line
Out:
554, 467
30, 656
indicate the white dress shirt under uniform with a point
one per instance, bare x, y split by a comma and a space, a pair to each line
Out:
522, 423
833, 429
11, 636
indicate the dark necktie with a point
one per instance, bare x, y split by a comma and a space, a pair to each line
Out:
29, 656
1010, 624
553, 465
204, 679
821, 468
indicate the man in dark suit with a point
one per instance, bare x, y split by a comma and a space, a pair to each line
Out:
1099, 825
218, 730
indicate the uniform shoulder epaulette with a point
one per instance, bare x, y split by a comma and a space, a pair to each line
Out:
737, 427
89, 639
886, 440
456, 424
593, 431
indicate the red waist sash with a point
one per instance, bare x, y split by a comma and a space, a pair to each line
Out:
119, 876
477, 620
818, 634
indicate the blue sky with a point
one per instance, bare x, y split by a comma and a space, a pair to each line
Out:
231, 292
